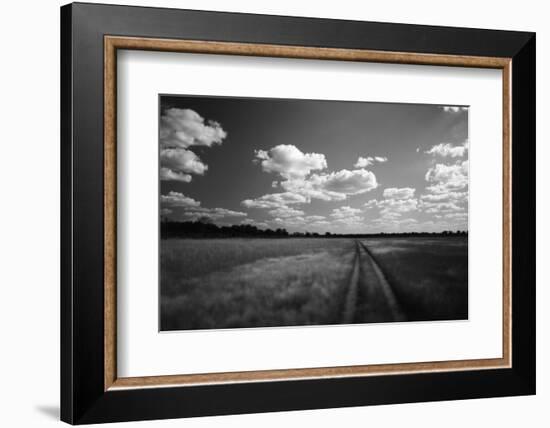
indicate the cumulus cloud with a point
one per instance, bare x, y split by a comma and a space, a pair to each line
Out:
346, 182
396, 202
373, 203
456, 216
440, 207
448, 150
212, 213
190, 209
447, 196
300, 181
275, 200
182, 160
285, 212
307, 222
347, 214
335, 186
448, 177
303, 179
363, 162
454, 109
398, 205
438, 196
181, 129
395, 223
408, 221
176, 199
315, 218
289, 161
167, 174
399, 193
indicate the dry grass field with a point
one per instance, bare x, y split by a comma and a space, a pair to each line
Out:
229, 283
429, 275
259, 282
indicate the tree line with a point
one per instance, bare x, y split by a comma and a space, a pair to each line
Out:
206, 229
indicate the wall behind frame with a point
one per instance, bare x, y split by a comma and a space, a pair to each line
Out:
29, 218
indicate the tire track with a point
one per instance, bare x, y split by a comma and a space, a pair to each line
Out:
383, 284
369, 297
350, 303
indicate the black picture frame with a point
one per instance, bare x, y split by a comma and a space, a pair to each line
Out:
83, 396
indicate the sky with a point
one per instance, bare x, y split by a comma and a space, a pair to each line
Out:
311, 165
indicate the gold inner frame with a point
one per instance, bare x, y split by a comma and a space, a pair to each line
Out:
113, 43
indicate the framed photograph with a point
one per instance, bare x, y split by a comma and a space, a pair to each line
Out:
266, 213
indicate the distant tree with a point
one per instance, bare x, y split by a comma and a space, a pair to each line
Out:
205, 220
204, 227
281, 232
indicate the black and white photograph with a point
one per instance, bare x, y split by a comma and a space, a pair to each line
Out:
291, 212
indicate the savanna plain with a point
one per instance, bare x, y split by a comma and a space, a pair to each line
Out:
269, 282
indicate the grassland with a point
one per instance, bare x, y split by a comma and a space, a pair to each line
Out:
229, 283
428, 275
262, 282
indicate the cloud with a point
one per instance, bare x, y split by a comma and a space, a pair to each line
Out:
440, 207
176, 199
316, 218
454, 109
179, 130
399, 193
448, 150
335, 186
183, 128
396, 202
285, 212
182, 160
439, 195
275, 200
347, 214
363, 162
371, 204
447, 193
398, 205
408, 221
391, 209
456, 216
347, 217
310, 222
346, 182
289, 161
448, 177
212, 213
302, 184
395, 224
166, 174
190, 209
